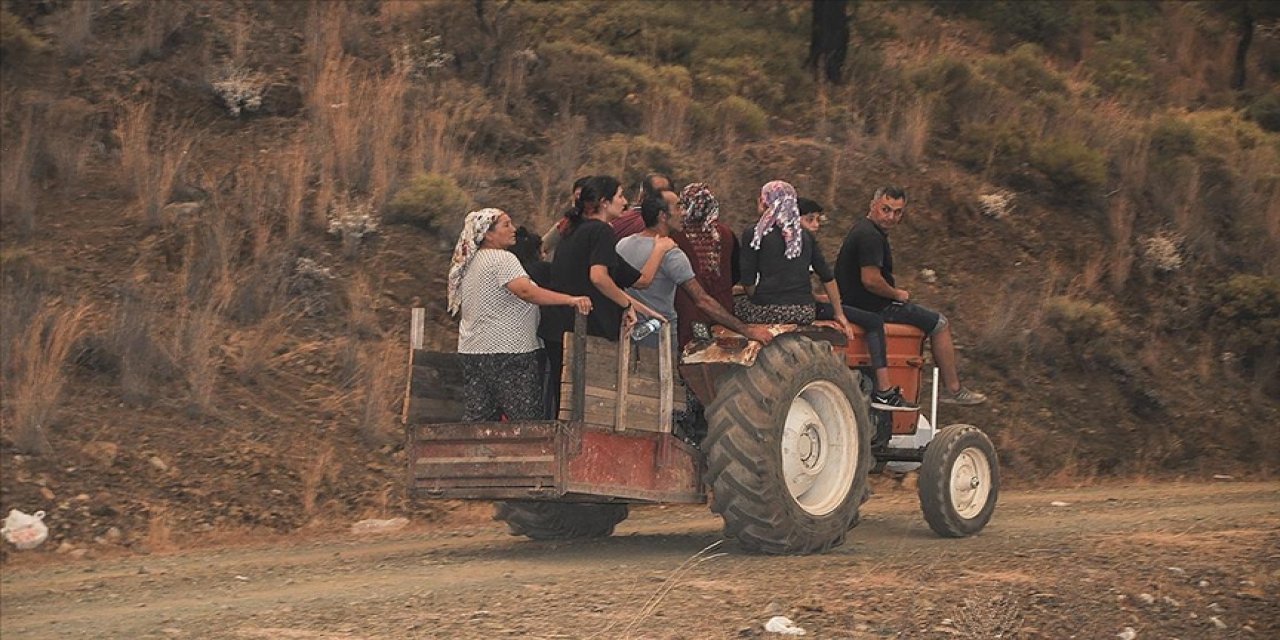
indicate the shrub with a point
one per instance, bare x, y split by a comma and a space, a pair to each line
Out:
1023, 70
742, 116
429, 200
1265, 110
630, 158
590, 81
1070, 165
1246, 316
1172, 138
16, 40
1082, 324
1121, 65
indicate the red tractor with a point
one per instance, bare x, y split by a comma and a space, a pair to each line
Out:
790, 439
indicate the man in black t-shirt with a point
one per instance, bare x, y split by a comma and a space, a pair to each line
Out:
864, 273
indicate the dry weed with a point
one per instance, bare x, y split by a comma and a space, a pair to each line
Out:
554, 172
159, 531
200, 356
35, 392
381, 370
161, 20
142, 360
152, 158
17, 186
73, 29
1120, 220
319, 468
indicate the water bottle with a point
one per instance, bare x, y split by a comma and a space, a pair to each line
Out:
642, 330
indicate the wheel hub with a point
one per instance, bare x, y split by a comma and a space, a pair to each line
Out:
810, 446
819, 448
970, 482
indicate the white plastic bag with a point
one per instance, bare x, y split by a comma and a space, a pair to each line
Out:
25, 531
784, 626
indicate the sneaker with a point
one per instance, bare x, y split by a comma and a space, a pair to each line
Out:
964, 396
891, 400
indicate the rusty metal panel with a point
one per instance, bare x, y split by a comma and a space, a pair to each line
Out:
636, 465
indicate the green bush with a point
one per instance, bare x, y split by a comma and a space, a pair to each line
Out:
1172, 138
1023, 71
1082, 324
1266, 110
631, 158
963, 94
1047, 22
743, 116
429, 200
1246, 316
1069, 165
603, 87
16, 39
1121, 65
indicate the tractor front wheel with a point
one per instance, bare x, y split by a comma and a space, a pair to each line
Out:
560, 520
959, 481
789, 448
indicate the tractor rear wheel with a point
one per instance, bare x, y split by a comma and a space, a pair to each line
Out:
560, 520
959, 481
789, 449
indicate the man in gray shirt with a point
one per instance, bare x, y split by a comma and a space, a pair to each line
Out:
662, 215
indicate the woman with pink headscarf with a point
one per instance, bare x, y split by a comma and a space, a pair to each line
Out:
497, 303
777, 256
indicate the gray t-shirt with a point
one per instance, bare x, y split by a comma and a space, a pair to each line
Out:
674, 271
494, 320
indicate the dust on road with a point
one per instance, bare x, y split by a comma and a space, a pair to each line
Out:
1165, 560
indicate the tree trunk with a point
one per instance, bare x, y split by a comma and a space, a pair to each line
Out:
1242, 49
829, 38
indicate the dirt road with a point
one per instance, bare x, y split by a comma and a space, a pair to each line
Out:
1166, 560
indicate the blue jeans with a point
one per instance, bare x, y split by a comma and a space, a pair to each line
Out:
872, 325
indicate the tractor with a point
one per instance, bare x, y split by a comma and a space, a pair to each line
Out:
790, 438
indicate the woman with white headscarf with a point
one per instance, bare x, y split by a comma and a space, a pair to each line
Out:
498, 334
776, 259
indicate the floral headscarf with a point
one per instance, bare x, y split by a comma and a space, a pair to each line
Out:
477, 224
701, 210
780, 209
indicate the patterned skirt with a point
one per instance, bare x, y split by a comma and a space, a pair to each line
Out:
752, 313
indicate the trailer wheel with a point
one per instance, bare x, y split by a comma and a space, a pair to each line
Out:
959, 481
789, 449
560, 520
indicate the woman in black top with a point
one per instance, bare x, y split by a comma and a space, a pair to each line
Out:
583, 264
776, 260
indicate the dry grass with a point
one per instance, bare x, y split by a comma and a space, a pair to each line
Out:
142, 359
34, 394
557, 169
17, 186
161, 20
73, 28
152, 158
320, 467
1121, 216
159, 536
200, 337
381, 372
906, 137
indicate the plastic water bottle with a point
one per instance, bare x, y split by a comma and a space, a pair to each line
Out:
642, 330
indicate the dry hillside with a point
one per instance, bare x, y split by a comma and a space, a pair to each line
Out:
216, 216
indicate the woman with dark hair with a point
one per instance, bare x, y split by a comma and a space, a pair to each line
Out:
498, 307
585, 264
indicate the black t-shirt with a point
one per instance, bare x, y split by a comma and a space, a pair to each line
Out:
866, 246
590, 243
781, 281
